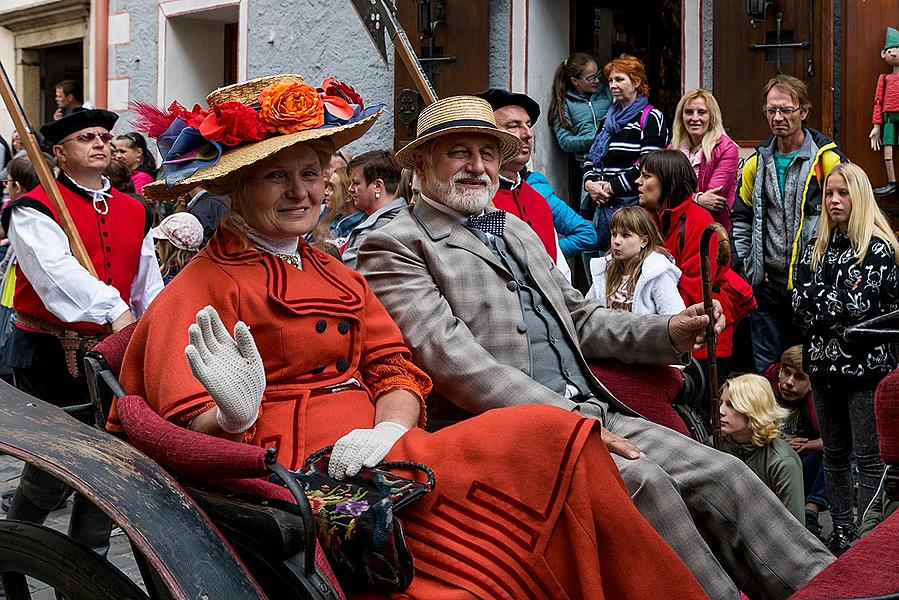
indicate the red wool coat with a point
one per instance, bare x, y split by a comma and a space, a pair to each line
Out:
528, 502
681, 228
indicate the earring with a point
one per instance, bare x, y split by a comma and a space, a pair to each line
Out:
377, 195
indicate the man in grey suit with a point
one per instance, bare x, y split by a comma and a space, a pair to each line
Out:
491, 319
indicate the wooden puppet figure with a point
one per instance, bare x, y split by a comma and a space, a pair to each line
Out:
886, 111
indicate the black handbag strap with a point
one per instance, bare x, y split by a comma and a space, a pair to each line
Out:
386, 466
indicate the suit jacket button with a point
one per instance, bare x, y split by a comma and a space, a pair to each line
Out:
321, 325
343, 364
343, 327
522, 327
512, 286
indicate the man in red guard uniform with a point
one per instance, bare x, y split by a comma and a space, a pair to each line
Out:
61, 309
516, 113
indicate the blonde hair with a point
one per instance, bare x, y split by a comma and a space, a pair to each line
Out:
866, 220
171, 258
752, 396
337, 199
638, 221
679, 135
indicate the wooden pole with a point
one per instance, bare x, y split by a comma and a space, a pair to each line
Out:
711, 337
44, 175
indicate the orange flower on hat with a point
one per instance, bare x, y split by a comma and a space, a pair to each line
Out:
290, 106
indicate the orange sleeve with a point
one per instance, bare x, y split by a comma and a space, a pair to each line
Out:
396, 371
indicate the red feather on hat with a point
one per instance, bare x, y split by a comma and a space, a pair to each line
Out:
150, 120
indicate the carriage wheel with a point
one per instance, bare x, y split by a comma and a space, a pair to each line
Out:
58, 561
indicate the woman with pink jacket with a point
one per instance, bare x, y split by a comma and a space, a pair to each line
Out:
699, 134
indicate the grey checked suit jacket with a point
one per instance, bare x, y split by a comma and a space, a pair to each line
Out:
448, 293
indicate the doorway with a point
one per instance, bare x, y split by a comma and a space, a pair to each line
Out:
58, 63
649, 30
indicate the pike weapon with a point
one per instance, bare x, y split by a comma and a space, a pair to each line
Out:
44, 175
379, 16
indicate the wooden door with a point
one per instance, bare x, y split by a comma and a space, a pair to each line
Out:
864, 31
455, 56
746, 56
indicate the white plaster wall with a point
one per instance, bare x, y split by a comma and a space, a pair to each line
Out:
8, 58
692, 45
194, 55
547, 46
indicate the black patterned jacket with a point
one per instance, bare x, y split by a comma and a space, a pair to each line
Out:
840, 293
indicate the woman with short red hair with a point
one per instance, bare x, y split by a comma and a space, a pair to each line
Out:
631, 129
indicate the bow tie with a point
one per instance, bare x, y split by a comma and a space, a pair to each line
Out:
491, 222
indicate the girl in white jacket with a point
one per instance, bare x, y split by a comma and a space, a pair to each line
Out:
637, 275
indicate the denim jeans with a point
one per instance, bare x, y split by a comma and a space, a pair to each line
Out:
813, 480
846, 418
771, 324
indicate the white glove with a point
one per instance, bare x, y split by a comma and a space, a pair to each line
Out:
363, 447
231, 371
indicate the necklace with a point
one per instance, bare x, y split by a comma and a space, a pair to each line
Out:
283, 248
291, 259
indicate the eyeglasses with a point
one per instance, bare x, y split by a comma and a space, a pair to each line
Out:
90, 136
770, 112
591, 78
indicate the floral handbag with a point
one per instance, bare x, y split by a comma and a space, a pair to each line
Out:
355, 521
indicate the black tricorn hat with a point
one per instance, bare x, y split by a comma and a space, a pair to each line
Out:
81, 118
499, 98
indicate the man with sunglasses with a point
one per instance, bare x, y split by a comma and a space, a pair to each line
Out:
62, 310
777, 211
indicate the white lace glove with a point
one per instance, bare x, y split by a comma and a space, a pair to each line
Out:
363, 447
229, 368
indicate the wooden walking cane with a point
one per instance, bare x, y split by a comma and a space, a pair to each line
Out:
379, 16
44, 175
711, 337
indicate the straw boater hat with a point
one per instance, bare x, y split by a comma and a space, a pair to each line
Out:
339, 132
458, 114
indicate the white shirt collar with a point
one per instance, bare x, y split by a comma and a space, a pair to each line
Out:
274, 245
451, 212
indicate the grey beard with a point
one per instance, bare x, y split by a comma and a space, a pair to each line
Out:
468, 202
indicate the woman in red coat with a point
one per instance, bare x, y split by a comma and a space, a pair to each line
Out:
667, 184
528, 502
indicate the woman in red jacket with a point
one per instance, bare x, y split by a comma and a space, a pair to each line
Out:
667, 184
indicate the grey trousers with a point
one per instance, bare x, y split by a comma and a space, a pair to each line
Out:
720, 519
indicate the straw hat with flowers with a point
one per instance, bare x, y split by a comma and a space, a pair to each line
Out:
458, 114
245, 123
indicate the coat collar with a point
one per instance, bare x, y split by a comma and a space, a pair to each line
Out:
323, 286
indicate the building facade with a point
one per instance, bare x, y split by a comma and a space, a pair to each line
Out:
157, 51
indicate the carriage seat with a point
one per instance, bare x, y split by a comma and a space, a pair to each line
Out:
870, 568
269, 526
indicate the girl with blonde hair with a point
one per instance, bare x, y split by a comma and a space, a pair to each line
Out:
751, 418
698, 132
848, 273
637, 275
